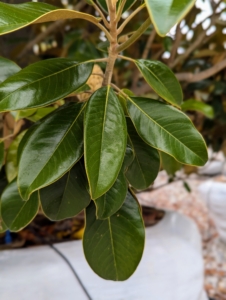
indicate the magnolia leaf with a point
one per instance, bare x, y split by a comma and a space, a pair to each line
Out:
113, 247
42, 83
169, 163
129, 155
25, 114
41, 113
3, 226
167, 129
145, 166
104, 140
193, 104
162, 80
11, 166
166, 13
16, 16
17, 213
66, 197
7, 68
3, 184
109, 203
50, 148
2, 154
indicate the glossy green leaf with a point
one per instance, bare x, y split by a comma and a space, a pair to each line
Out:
24, 114
110, 203
145, 166
3, 184
11, 166
162, 80
7, 68
2, 154
123, 100
17, 213
166, 13
167, 129
41, 113
66, 197
129, 155
43, 83
50, 148
113, 247
169, 163
104, 140
199, 106
16, 16
3, 226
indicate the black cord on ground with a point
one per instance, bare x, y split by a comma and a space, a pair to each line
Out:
72, 269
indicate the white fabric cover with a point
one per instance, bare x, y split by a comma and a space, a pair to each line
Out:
214, 194
171, 269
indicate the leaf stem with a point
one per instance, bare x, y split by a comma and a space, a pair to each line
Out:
118, 90
126, 58
97, 60
113, 53
7, 137
120, 10
135, 36
107, 33
120, 29
101, 14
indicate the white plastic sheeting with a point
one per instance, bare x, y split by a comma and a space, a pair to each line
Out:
171, 269
214, 194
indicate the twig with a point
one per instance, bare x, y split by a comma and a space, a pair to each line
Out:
148, 44
198, 41
190, 77
175, 45
6, 137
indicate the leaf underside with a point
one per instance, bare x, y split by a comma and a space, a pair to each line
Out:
165, 14
16, 16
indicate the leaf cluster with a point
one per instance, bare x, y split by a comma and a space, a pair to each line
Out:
91, 154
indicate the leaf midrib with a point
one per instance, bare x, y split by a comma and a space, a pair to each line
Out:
112, 246
104, 120
62, 198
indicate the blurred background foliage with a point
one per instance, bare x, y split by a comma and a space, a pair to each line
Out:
194, 50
